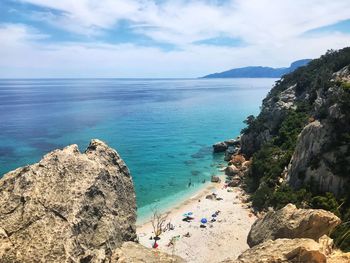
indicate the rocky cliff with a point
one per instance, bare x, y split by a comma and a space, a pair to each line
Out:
319, 94
69, 207
300, 141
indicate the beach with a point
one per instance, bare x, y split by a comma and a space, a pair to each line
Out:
224, 238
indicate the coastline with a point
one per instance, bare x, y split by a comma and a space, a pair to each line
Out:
169, 203
224, 238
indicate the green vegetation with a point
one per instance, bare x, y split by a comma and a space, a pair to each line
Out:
345, 85
270, 161
271, 158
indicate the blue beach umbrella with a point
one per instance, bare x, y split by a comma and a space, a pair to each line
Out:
204, 220
190, 213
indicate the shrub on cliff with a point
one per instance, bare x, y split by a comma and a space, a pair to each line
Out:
271, 158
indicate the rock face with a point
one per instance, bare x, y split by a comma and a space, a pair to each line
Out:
290, 222
231, 170
273, 111
223, 146
283, 250
220, 147
310, 162
339, 257
320, 147
69, 207
132, 252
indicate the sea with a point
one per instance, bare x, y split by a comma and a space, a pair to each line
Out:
163, 129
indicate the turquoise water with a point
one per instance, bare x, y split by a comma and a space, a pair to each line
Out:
163, 129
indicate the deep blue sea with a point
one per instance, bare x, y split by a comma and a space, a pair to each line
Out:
162, 128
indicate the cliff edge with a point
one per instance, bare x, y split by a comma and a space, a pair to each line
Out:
69, 207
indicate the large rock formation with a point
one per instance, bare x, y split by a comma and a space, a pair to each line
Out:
223, 146
69, 207
273, 111
311, 162
320, 147
283, 250
322, 152
290, 222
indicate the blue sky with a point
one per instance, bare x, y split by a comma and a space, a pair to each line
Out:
160, 38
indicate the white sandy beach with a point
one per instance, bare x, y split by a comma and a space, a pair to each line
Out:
225, 238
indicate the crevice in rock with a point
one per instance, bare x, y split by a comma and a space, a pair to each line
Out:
55, 212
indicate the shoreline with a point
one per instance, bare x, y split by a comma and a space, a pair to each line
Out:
197, 194
180, 202
224, 238
144, 214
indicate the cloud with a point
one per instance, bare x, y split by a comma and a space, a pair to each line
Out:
182, 22
268, 32
24, 54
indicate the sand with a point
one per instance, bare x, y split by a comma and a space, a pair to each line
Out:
225, 238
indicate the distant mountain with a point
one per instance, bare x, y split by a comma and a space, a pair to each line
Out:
259, 72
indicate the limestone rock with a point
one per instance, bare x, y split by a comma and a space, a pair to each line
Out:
283, 251
223, 146
132, 252
215, 179
234, 182
69, 207
231, 170
210, 197
310, 149
290, 222
238, 160
339, 257
326, 245
220, 147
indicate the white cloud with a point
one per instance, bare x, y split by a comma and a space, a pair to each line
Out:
272, 31
182, 22
22, 55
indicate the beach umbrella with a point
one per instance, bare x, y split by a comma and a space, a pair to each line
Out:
204, 220
190, 213
214, 215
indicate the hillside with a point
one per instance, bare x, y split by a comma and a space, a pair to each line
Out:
258, 71
300, 142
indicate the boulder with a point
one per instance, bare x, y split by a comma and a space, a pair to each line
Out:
238, 160
69, 207
231, 150
283, 250
220, 147
246, 164
326, 245
290, 222
234, 182
231, 170
234, 142
215, 179
210, 197
131, 252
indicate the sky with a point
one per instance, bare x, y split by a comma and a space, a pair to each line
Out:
163, 38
